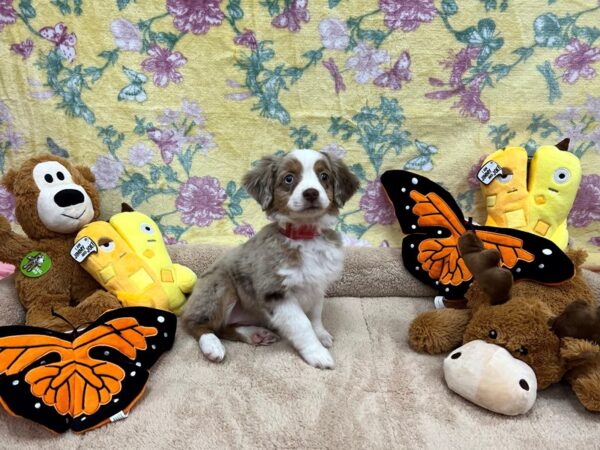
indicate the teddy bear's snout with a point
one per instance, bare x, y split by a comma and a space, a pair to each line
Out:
68, 197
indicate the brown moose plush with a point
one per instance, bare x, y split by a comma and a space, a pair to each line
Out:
54, 200
550, 328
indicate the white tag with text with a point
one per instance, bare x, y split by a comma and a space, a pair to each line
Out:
489, 171
83, 248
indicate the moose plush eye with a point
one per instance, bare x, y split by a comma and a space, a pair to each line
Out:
493, 334
523, 351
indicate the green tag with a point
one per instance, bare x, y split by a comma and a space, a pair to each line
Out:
35, 264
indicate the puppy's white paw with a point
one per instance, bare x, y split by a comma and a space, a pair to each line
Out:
212, 347
325, 337
257, 335
318, 357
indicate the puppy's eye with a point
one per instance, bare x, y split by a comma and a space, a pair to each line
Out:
324, 176
288, 179
48, 178
493, 334
60, 176
523, 350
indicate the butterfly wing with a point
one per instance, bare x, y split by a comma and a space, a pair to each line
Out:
25, 349
131, 339
432, 222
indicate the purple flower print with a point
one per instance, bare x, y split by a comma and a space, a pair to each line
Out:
593, 106
595, 241
14, 140
384, 244
244, 229
5, 116
169, 116
164, 64
204, 140
375, 204
291, 17
351, 241
8, 15
595, 137
577, 60
246, 39
407, 14
334, 149
127, 36
472, 179
575, 132
334, 34
394, 77
338, 81
169, 141
460, 63
470, 104
586, 207
7, 204
366, 61
570, 113
196, 16
23, 48
172, 240
139, 155
192, 111
107, 171
200, 201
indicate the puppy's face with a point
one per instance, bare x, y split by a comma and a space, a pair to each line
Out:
303, 185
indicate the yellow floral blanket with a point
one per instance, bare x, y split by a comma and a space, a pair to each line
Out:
170, 101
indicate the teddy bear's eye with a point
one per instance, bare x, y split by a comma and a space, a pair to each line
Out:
493, 334
522, 350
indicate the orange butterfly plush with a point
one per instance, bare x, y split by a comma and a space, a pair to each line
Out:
432, 222
82, 380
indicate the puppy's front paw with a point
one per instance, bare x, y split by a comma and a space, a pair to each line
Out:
325, 337
212, 348
318, 357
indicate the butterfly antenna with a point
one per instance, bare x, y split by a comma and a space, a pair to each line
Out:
55, 314
470, 224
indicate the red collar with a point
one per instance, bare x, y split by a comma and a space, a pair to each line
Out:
302, 232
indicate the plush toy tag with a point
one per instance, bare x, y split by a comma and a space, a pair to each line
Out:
35, 264
83, 248
489, 171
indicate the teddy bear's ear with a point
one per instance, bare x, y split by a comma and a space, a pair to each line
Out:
9, 180
86, 173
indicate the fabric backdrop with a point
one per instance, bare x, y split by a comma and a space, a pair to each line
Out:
170, 101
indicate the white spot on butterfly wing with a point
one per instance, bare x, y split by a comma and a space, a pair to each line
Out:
403, 189
15, 383
160, 319
541, 266
37, 405
518, 270
132, 373
139, 364
547, 251
153, 347
414, 227
414, 181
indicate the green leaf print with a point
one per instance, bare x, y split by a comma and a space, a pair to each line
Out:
303, 137
333, 3
550, 77
27, 10
547, 29
501, 135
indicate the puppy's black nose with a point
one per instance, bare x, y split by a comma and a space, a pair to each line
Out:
310, 194
68, 197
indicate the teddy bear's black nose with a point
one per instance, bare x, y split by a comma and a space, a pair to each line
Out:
68, 197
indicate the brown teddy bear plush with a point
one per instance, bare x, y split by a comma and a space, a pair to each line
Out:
53, 201
535, 323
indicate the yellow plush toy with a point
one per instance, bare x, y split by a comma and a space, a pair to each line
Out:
536, 196
144, 237
105, 255
553, 184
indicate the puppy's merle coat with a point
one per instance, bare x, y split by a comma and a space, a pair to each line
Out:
277, 280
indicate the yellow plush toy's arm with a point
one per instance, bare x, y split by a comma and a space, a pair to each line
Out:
186, 278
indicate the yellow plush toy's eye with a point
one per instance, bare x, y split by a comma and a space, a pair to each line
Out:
562, 175
146, 228
106, 245
505, 178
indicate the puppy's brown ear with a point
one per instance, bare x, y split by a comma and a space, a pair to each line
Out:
345, 183
86, 173
260, 181
9, 180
